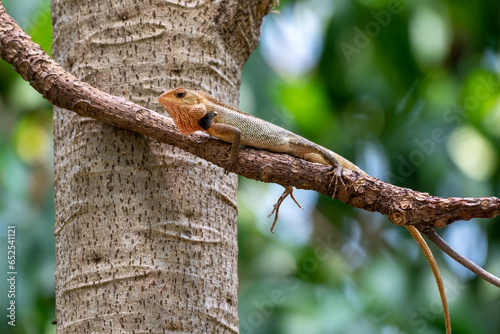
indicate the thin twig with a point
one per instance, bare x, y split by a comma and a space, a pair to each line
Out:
436, 239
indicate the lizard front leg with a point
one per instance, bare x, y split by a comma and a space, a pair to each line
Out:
229, 134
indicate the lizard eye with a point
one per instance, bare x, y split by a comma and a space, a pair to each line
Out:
180, 93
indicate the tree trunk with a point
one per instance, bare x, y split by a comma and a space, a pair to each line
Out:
146, 233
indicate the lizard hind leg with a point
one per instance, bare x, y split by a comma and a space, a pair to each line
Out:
335, 180
318, 154
276, 208
335, 175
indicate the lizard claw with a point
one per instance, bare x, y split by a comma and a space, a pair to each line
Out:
276, 208
336, 179
230, 163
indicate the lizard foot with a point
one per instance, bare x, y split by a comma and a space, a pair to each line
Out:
288, 191
230, 162
336, 179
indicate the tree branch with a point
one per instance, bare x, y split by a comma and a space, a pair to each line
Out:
401, 205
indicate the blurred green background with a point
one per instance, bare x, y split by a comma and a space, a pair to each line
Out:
408, 90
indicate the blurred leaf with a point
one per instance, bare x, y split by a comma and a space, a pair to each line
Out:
307, 102
32, 141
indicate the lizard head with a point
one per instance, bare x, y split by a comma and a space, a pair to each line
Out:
186, 108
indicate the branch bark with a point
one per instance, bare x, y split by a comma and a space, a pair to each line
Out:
402, 206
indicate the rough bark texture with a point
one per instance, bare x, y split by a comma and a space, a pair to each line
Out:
145, 232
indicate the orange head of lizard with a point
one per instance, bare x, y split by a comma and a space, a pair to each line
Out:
186, 108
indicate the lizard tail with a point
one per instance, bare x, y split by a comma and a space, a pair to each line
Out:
435, 270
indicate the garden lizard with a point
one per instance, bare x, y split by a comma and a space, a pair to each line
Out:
197, 111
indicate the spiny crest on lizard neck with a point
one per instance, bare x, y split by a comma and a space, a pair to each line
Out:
217, 102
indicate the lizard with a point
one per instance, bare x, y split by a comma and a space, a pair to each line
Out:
193, 111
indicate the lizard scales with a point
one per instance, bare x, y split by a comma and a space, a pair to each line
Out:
197, 111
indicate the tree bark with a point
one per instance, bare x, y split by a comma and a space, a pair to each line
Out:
145, 232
